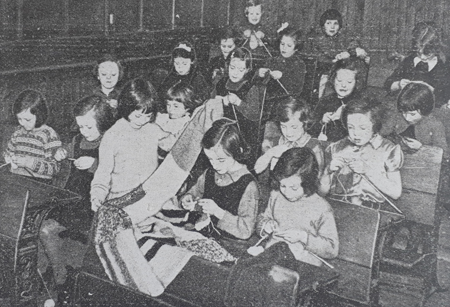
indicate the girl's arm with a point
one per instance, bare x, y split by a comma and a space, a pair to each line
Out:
392, 83
325, 241
48, 165
266, 217
242, 224
100, 185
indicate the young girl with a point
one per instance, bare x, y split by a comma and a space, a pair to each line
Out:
128, 150
347, 78
296, 214
292, 116
109, 71
227, 192
416, 103
363, 165
185, 70
287, 68
32, 146
218, 67
180, 103
426, 63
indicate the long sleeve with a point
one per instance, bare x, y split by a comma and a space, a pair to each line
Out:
242, 225
265, 217
400, 72
323, 241
101, 183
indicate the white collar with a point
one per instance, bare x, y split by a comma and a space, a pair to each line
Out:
431, 63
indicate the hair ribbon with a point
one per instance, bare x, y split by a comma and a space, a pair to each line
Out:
284, 25
185, 47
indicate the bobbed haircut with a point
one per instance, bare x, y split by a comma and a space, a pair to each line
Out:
251, 3
108, 58
224, 132
183, 93
353, 64
299, 161
227, 33
288, 106
416, 96
137, 94
35, 101
184, 50
331, 14
365, 103
295, 34
242, 54
103, 113
426, 38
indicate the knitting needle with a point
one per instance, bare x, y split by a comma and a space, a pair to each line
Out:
322, 260
260, 240
71, 159
45, 284
5, 164
376, 189
267, 50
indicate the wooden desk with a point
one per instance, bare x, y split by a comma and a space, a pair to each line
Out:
23, 204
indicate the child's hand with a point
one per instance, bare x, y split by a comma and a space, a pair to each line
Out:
84, 162
113, 103
336, 164
327, 117
95, 204
360, 53
293, 235
277, 151
270, 226
210, 207
234, 99
343, 55
22, 161
259, 34
358, 166
247, 33
276, 74
60, 154
412, 143
187, 202
262, 72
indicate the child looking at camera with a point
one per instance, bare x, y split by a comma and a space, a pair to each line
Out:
296, 214
109, 71
218, 66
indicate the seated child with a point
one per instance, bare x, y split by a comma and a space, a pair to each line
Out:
292, 116
227, 193
426, 63
185, 69
296, 214
218, 67
347, 79
32, 146
330, 44
109, 71
128, 150
416, 103
180, 103
363, 166
285, 74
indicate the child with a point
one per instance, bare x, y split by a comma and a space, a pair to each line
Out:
227, 192
109, 71
426, 63
32, 146
416, 103
93, 117
330, 44
363, 165
292, 116
128, 150
185, 69
287, 68
347, 78
180, 103
296, 214
218, 67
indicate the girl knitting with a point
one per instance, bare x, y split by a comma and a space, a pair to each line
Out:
296, 214
363, 166
227, 192
128, 150
185, 70
347, 78
32, 146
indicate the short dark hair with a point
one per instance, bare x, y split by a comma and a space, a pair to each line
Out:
365, 103
331, 14
137, 94
243, 54
354, 64
109, 58
426, 38
35, 101
183, 93
295, 34
227, 33
416, 96
103, 113
299, 161
225, 132
288, 106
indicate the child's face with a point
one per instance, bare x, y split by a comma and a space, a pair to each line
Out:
287, 46
237, 70
331, 27
175, 109
412, 117
138, 118
108, 74
221, 162
182, 65
88, 126
254, 14
226, 46
27, 120
345, 82
293, 129
360, 128
291, 188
